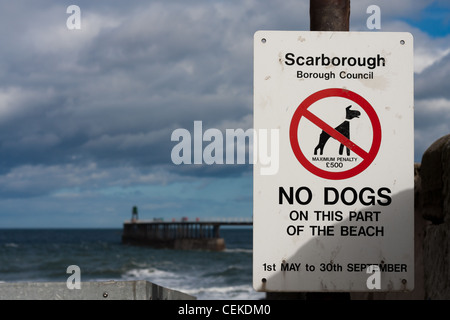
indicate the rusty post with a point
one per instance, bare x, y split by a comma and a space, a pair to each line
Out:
329, 15
325, 15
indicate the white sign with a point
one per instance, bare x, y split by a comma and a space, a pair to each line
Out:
338, 215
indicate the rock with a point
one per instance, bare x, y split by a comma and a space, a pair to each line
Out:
435, 202
435, 179
417, 187
437, 262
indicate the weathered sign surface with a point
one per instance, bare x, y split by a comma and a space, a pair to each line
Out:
338, 214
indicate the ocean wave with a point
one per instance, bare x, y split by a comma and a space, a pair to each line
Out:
238, 292
167, 279
147, 273
11, 245
238, 250
43, 255
231, 270
197, 285
163, 278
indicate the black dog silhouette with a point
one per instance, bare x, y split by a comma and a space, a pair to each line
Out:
343, 128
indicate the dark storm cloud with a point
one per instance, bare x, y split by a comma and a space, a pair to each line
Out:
106, 98
120, 90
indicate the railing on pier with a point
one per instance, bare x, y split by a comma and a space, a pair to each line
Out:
179, 233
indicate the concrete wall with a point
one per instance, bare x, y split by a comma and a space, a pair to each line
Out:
101, 290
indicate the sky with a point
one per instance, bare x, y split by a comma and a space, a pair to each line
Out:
86, 115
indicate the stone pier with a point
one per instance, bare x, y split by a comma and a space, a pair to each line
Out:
182, 235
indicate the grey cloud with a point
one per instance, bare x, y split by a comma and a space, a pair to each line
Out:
112, 93
432, 104
432, 121
433, 81
390, 10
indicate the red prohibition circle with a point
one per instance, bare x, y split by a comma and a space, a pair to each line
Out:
302, 111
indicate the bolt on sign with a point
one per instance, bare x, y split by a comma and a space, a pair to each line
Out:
339, 213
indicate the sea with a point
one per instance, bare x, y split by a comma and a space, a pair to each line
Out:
43, 255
